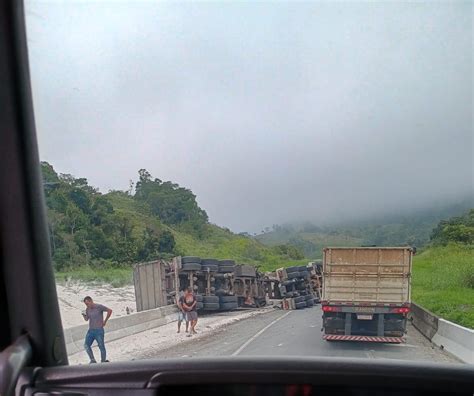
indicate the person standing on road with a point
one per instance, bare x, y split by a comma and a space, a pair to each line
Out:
189, 305
94, 313
181, 313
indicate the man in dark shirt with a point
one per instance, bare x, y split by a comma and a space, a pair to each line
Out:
94, 314
189, 306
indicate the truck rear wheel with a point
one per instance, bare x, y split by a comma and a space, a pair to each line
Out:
209, 262
226, 268
190, 259
228, 306
191, 267
293, 275
228, 299
210, 299
209, 267
300, 299
300, 305
211, 306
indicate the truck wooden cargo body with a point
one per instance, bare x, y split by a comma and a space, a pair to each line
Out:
366, 293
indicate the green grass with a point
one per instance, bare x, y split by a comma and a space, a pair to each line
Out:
117, 277
443, 282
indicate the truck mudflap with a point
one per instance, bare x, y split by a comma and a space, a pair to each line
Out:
389, 340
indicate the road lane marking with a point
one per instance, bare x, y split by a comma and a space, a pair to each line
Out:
258, 334
370, 354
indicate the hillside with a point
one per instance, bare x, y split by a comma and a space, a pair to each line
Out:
218, 242
311, 243
95, 236
396, 230
443, 282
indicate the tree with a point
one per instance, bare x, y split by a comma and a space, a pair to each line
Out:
456, 229
168, 201
166, 242
150, 246
49, 175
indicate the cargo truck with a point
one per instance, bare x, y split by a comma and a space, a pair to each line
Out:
366, 293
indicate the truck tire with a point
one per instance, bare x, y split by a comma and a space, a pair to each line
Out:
198, 298
209, 268
260, 302
199, 306
228, 306
291, 286
302, 268
226, 263
293, 275
288, 283
226, 268
303, 274
308, 297
289, 270
190, 259
210, 306
210, 300
191, 267
300, 305
228, 299
300, 299
310, 303
220, 292
209, 262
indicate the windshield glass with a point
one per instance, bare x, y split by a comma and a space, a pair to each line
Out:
258, 178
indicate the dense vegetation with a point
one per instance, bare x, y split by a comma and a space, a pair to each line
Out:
456, 229
92, 232
414, 229
443, 282
443, 275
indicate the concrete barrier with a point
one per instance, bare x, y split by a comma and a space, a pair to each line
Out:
455, 339
424, 321
122, 327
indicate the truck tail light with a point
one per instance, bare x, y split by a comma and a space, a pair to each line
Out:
401, 310
328, 308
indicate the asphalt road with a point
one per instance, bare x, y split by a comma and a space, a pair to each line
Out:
296, 333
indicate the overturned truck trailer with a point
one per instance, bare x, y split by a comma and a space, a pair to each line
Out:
218, 284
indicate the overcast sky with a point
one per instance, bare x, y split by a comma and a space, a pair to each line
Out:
269, 112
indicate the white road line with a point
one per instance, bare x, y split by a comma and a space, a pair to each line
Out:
258, 334
370, 354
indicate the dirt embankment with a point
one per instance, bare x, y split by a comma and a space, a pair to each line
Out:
72, 293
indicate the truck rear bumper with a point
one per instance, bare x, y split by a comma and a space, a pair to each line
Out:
389, 340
